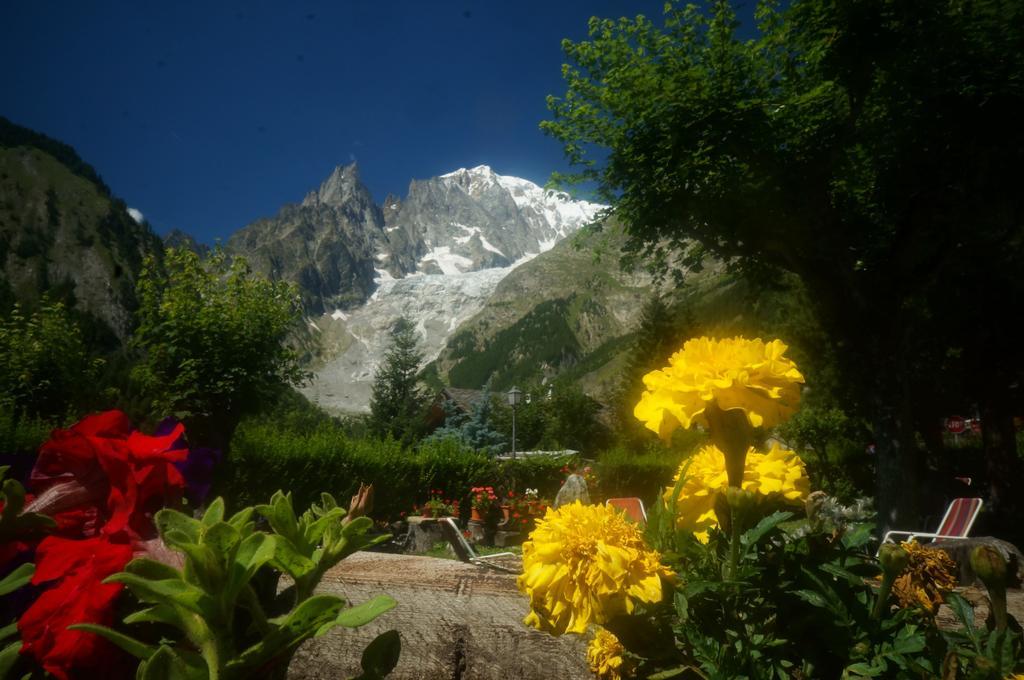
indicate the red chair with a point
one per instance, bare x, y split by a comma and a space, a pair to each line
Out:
956, 523
634, 508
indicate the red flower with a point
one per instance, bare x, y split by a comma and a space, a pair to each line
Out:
102, 481
78, 597
100, 467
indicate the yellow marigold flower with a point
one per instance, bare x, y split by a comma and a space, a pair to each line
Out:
586, 564
604, 656
930, 574
737, 373
779, 473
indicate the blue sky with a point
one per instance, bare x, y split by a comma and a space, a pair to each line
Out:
206, 116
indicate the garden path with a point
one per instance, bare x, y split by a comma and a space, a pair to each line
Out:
456, 621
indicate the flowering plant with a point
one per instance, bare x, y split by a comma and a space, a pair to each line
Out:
606, 657
100, 481
483, 498
104, 488
438, 506
778, 474
736, 582
586, 564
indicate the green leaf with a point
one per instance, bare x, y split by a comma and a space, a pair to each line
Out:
204, 565
9, 657
752, 536
158, 613
17, 578
139, 650
670, 673
255, 551
362, 614
214, 513
240, 519
8, 630
168, 591
151, 569
289, 632
281, 516
360, 525
840, 572
964, 611
381, 656
682, 606
167, 664
288, 559
223, 539
171, 520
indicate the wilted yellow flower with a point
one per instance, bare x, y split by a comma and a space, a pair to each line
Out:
604, 656
585, 564
930, 574
778, 474
735, 372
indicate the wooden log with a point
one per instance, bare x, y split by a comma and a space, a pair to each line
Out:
455, 620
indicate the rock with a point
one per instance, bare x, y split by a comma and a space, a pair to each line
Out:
960, 551
574, 489
424, 533
456, 620
505, 539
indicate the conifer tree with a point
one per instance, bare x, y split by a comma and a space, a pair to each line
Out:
398, 403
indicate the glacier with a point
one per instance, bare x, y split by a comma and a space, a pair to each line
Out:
354, 341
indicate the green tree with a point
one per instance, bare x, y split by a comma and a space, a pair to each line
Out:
46, 369
474, 429
869, 148
213, 338
398, 403
658, 335
559, 416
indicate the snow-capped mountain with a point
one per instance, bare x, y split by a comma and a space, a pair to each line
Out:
434, 256
337, 244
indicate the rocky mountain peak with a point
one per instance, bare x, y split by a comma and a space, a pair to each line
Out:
343, 186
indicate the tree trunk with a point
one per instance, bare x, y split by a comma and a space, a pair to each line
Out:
897, 471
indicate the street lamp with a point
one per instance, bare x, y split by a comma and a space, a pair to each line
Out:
515, 397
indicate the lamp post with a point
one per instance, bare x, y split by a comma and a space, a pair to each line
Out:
514, 398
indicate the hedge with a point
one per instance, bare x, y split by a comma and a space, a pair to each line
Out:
264, 458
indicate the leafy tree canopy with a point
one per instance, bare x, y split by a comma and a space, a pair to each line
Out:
870, 148
46, 369
213, 338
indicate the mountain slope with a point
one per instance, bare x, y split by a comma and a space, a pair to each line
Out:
62, 232
556, 312
443, 250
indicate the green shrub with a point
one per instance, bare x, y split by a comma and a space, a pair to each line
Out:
265, 456
544, 473
22, 436
624, 472
283, 453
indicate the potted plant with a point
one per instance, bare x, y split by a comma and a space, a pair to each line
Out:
482, 501
439, 506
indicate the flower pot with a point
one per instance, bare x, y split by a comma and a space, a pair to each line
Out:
506, 511
475, 516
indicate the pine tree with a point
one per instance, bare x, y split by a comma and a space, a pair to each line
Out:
478, 432
398, 403
474, 429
